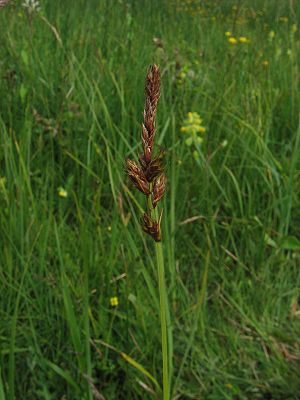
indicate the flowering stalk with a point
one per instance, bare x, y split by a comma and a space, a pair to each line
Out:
149, 178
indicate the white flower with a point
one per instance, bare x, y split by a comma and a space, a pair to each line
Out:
32, 6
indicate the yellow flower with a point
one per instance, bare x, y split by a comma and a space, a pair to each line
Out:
192, 126
228, 34
272, 35
229, 386
114, 301
294, 28
243, 39
182, 75
201, 129
62, 192
265, 63
232, 40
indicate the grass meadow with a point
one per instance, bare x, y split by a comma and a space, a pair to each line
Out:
79, 303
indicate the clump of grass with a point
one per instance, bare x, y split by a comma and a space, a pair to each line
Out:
149, 178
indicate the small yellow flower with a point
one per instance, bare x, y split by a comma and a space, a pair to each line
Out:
243, 39
109, 228
229, 386
192, 127
272, 35
265, 63
232, 40
62, 192
182, 75
201, 129
228, 34
114, 301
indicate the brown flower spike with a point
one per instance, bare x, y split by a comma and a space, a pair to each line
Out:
149, 178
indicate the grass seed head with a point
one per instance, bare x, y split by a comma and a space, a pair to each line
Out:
152, 227
159, 188
149, 177
152, 93
137, 177
155, 167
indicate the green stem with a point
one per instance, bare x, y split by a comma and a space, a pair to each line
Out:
163, 303
163, 314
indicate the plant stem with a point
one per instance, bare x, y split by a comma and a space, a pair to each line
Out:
163, 312
162, 302
163, 306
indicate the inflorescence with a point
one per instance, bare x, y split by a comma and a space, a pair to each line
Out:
148, 176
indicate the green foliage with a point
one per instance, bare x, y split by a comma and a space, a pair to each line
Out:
71, 97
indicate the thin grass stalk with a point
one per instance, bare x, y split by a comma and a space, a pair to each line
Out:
163, 314
149, 178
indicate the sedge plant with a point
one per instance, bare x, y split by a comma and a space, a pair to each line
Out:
149, 178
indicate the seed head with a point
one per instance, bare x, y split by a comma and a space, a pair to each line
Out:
148, 177
152, 93
152, 227
159, 188
137, 177
154, 168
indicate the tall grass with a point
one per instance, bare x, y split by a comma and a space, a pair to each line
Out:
69, 114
